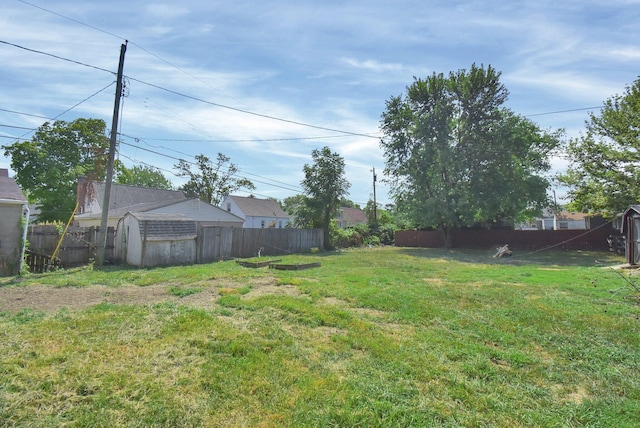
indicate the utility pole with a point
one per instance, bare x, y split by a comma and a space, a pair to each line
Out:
375, 203
102, 236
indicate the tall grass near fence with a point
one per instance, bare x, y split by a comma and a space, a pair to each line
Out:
375, 337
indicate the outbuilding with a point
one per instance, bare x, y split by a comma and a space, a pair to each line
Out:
148, 240
631, 232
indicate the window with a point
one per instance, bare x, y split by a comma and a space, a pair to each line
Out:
229, 206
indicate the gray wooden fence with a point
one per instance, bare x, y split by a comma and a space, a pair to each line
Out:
76, 249
219, 243
213, 243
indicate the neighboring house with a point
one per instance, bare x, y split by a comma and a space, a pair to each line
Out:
562, 220
148, 240
13, 226
124, 199
256, 213
630, 228
349, 217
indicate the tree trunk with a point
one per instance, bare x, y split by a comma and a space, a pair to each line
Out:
326, 229
448, 235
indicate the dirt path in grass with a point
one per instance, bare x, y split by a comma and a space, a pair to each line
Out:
42, 298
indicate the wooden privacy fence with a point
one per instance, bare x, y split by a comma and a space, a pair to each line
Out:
529, 240
77, 247
213, 243
219, 243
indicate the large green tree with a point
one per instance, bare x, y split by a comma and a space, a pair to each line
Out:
324, 186
47, 167
211, 181
142, 176
604, 173
456, 157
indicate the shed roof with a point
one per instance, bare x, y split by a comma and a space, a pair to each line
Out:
259, 207
165, 227
632, 211
9, 189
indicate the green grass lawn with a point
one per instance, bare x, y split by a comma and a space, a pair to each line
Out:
382, 337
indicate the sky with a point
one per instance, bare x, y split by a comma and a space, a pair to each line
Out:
267, 82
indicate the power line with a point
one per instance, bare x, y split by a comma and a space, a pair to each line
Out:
293, 188
84, 100
57, 57
266, 116
17, 127
563, 111
257, 140
191, 97
121, 38
70, 19
281, 185
25, 114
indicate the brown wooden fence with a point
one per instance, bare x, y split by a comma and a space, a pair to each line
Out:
527, 240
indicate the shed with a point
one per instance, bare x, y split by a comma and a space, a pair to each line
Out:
631, 232
148, 240
13, 210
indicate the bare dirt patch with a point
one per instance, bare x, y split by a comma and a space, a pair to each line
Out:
43, 298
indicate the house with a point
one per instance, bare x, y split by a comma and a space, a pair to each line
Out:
14, 212
631, 231
562, 220
256, 213
148, 240
349, 217
124, 199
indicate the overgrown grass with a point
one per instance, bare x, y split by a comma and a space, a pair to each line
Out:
375, 337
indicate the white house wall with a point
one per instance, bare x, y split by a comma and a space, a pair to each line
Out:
255, 222
229, 205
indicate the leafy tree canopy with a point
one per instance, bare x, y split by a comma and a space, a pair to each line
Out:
457, 158
211, 181
142, 176
604, 174
324, 186
47, 167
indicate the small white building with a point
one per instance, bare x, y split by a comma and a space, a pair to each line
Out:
256, 213
148, 240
